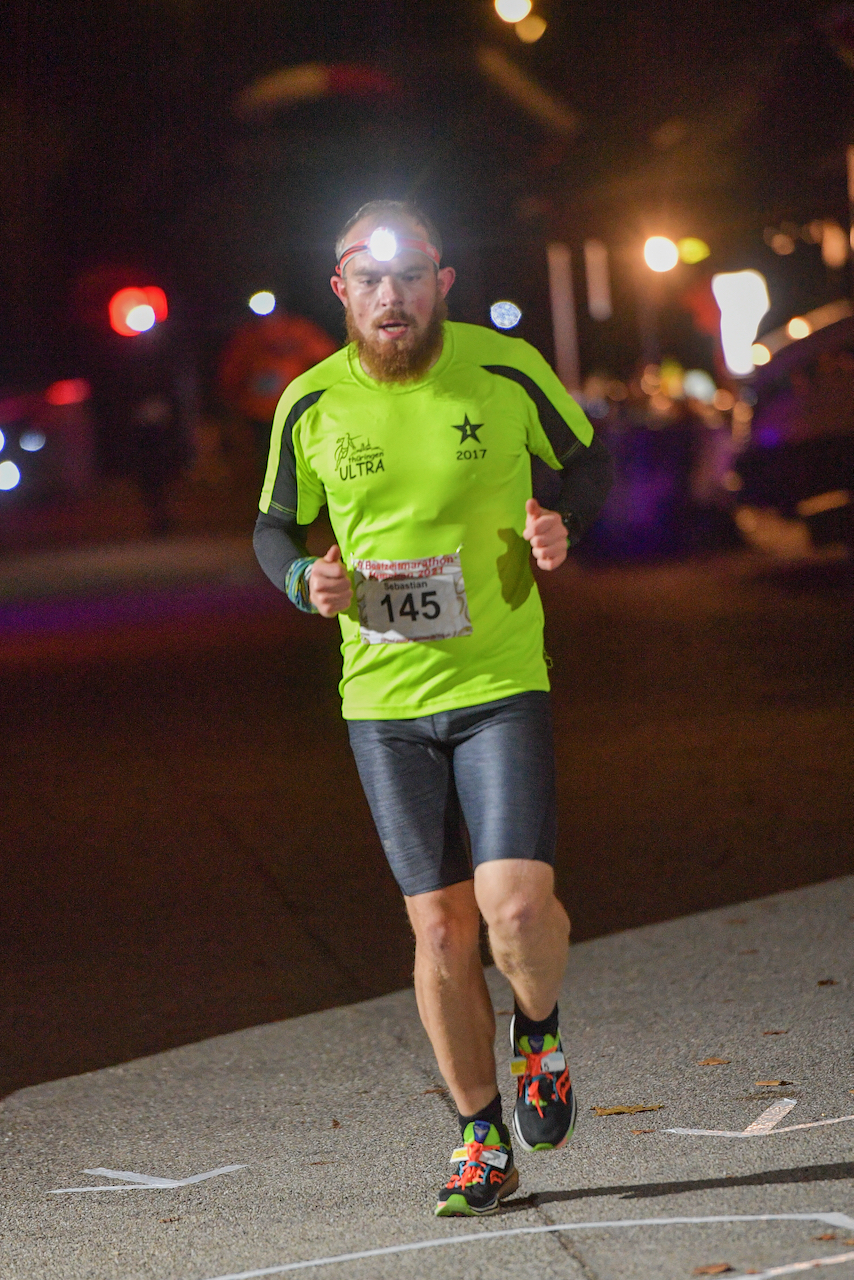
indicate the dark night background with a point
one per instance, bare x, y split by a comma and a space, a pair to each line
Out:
122, 149
187, 850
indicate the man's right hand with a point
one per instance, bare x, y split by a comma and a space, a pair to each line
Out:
329, 587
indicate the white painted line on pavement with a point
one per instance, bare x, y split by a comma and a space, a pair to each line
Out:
812, 1124
144, 1181
485, 1237
772, 1117
763, 1125
789, 1267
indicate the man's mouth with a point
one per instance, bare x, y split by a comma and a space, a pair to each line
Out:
396, 328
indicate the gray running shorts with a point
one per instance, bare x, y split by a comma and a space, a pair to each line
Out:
486, 770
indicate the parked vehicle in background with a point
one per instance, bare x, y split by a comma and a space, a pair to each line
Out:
797, 474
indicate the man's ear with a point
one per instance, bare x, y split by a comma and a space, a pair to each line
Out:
339, 288
445, 277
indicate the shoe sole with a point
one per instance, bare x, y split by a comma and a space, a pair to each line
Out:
465, 1210
540, 1146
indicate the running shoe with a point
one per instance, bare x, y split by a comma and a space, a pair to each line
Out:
483, 1175
544, 1115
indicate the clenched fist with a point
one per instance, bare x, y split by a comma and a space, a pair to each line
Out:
329, 588
546, 533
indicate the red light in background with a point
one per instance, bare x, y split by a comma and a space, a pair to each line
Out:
143, 302
69, 391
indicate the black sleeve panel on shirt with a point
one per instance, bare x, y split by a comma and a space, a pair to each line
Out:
561, 437
284, 496
278, 541
581, 488
586, 482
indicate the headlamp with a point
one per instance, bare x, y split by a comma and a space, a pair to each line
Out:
383, 244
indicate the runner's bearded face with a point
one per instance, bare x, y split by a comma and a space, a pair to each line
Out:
394, 311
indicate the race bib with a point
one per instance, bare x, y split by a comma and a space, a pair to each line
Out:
401, 601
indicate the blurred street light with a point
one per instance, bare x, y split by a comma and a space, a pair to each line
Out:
68, 391
692, 250
262, 303
135, 311
834, 245
743, 299
141, 318
782, 242
531, 28
9, 475
699, 385
505, 315
798, 327
660, 254
513, 10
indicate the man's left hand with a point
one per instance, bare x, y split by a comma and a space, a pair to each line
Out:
546, 533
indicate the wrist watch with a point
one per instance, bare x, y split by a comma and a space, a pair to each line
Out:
572, 524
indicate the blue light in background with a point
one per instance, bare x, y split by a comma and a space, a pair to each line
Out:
505, 315
32, 441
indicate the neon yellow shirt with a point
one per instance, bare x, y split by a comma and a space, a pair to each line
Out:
411, 470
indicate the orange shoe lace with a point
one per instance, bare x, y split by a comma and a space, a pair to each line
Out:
529, 1083
474, 1167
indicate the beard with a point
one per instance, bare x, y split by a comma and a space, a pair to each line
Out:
403, 360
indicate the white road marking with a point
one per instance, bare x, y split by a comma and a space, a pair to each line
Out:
765, 1124
789, 1267
485, 1237
772, 1117
144, 1181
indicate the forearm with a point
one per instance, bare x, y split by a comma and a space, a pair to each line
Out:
282, 554
587, 478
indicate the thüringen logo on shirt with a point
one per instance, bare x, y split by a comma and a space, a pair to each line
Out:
357, 457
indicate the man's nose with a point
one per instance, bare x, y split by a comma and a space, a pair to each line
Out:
390, 293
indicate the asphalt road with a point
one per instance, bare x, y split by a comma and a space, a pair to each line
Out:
188, 853
327, 1136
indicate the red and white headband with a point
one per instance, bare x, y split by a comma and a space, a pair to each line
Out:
383, 244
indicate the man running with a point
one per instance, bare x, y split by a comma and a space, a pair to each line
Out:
418, 437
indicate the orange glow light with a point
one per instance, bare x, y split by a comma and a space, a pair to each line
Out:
513, 10
798, 327
530, 29
660, 254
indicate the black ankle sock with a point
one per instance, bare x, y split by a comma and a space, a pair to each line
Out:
526, 1026
491, 1113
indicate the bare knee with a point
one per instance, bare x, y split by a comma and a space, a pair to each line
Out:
445, 935
519, 914
446, 928
516, 914
517, 897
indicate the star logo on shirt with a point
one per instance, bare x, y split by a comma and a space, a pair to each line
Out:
468, 430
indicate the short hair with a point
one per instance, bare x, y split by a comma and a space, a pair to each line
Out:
392, 209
